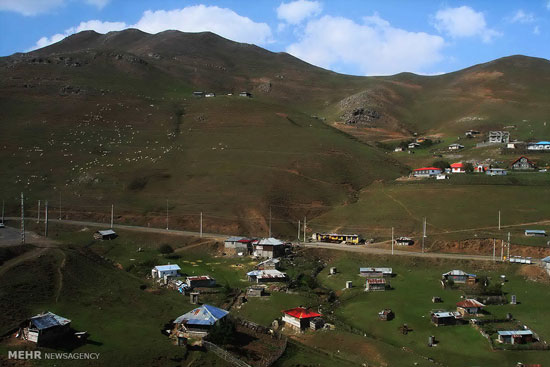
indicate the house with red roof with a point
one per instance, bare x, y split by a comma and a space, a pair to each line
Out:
299, 318
426, 172
458, 168
469, 306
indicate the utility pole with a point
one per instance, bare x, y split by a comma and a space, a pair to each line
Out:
22, 219
494, 248
59, 205
499, 220
502, 250
46, 220
2, 211
392, 240
201, 225
166, 214
269, 221
424, 234
508, 246
38, 213
299, 230
305, 225
112, 215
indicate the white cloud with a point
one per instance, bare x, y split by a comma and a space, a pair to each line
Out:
548, 5
29, 7
95, 25
200, 18
374, 47
464, 22
522, 17
35, 7
536, 30
297, 11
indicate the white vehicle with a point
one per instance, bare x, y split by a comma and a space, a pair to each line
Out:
2, 225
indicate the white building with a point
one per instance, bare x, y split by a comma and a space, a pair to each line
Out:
160, 271
426, 172
541, 145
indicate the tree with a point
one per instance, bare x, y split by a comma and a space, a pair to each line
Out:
468, 167
442, 165
223, 332
166, 249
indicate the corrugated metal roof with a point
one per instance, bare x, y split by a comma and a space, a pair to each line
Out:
301, 313
515, 332
234, 239
458, 272
203, 315
265, 274
446, 314
546, 259
106, 232
270, 241
200, 277
376, 270
536, 231
470, 303
167, 267
48, 320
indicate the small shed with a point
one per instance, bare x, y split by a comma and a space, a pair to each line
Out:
404, 241
200, 281
106, 234
268, 248
46, 328
545, 263
263, 276
459, 276
375, 272
245, 94
316, 323
445, 318
386, 314
255, 291
375, 284
269, 264
496, 172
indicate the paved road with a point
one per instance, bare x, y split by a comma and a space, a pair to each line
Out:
220, 237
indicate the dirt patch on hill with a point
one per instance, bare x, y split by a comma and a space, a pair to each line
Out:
534, 273
485, 247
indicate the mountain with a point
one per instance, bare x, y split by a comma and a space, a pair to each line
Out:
111, 118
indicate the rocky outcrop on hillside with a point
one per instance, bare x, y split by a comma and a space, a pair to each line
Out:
361, 108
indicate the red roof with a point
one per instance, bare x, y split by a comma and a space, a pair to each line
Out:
469, 303
376, 281
428, 168
301, 313
457, 165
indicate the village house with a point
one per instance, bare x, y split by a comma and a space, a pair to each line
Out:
469, 307
200, 320
413, 145
545, 263
268, 247
375, 284
375, 272
201, 281
404, 241
426, 172
458, 168
541, 145
442, 176
269, 264
106, 234
160, 271
299, 318
198, 94
385, 315
238, 245
210, 95
263, 276
535, 233
471, 133
459, 276
398, 149
522, 164
499, 137
245, 94
456, 146
481, 168
515, 336
496, 172
445, 318
46, 328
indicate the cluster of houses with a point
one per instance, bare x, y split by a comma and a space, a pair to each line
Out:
520, 164
201, 94
262, 247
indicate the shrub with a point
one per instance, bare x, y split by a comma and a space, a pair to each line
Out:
166, 249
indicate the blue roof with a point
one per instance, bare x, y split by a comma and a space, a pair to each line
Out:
48, 320
167, 267
546, 259
543, 143
515, 332
204, 315
538, 231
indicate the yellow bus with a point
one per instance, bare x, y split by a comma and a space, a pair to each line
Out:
336, 238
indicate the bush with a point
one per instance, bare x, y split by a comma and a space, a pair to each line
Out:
223, 332
166, 249
441, 164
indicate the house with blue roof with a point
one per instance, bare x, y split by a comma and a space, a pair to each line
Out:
200, 320
45, 328
541, 145
160, 271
